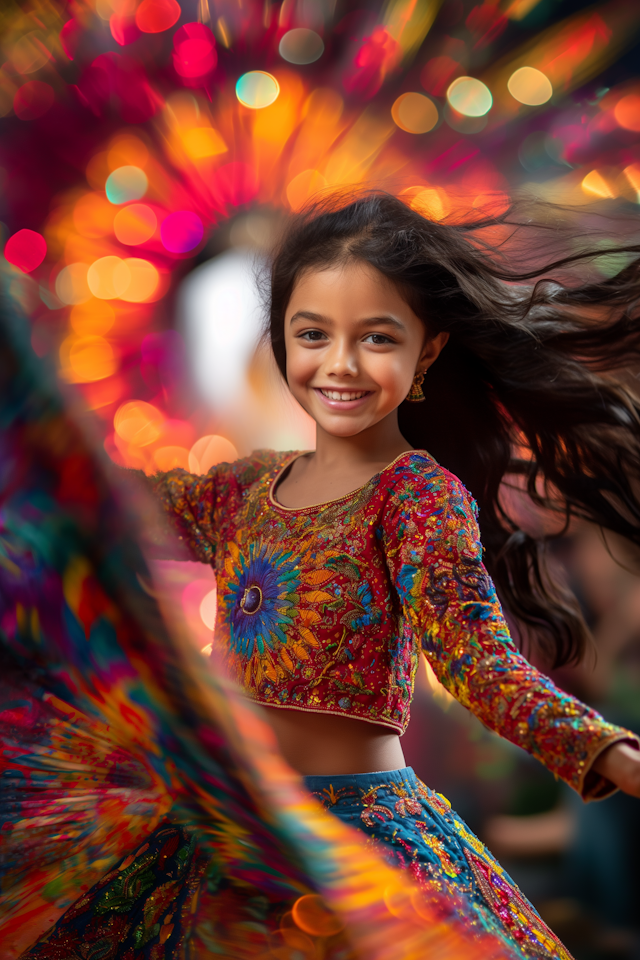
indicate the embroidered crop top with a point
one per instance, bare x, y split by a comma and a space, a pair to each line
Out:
326, 608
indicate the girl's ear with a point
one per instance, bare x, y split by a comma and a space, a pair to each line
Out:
431, 350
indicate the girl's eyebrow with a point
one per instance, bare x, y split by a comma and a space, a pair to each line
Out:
384, 321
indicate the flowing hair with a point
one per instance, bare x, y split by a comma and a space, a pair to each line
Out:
533, 382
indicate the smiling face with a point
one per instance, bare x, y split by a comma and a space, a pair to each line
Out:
353, 347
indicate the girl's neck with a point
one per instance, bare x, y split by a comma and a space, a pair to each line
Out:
379, 445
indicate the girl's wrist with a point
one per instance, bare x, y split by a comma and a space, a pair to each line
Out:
620, 763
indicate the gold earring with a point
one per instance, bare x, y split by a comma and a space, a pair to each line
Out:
415, 394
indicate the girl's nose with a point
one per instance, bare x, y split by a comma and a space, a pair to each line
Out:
342, 359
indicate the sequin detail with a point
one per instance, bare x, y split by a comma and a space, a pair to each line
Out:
327, 608
416, 830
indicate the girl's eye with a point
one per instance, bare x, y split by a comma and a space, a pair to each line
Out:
377, 338
313, 335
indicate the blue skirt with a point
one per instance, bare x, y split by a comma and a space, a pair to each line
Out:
415, 828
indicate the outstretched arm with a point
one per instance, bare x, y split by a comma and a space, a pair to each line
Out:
451, 602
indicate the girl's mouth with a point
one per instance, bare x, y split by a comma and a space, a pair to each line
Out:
343, 394
341, 399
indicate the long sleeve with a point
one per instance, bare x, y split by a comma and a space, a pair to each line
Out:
435, 557
202, 507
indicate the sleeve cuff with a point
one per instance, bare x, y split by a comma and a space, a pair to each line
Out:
592, 785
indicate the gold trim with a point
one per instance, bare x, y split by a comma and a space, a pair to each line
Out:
327, 503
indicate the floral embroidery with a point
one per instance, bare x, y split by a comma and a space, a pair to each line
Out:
516, 914
328, 608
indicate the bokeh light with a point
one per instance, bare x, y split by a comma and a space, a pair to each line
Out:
414, 113
170, 457
85, 359
108, 278
305, 185
155, 16
208, 451
33, 99
595, 184
71, 283
143, 280
301, 46
209, 608
470, 97
92, 317
201, 142
125, 151
627, 112
530, 86
257, 89
93, 216
125, 184
138, 422
312, 915
135, 224
194, 53
181, 231
431, 202
26, 250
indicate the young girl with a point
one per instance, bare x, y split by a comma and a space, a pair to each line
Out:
336, 568
422, 359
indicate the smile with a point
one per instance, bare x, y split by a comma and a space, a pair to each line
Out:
344, 395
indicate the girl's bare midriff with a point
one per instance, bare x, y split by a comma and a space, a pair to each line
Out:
323, 744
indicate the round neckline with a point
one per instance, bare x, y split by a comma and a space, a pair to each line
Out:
326, 503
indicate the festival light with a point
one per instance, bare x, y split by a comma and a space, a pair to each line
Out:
595, 184
530, 86
71, 284
203, 142
92, 317
85, 359
26, 250
194, 54
257, 89
125, 184
470, 97
181, 231
627, 112
415, 113
304, 186
93, 216
108, 278
135, 224
301, 46
156, 16
138, 423
208, 451
33, 99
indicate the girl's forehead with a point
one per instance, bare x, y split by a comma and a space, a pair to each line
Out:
344, 274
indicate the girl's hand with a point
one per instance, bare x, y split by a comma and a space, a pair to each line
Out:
620, 763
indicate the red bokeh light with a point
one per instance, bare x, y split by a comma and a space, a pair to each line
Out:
124, 29
33, 99
26, 250
154, 16
181, 231
194, 51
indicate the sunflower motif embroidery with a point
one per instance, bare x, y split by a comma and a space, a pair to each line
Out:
268, 628
261, 599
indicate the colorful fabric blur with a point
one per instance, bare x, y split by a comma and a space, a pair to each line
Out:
110, 724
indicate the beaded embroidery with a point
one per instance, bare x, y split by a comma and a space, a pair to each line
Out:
326, 608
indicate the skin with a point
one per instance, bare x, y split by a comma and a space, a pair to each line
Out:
348, 331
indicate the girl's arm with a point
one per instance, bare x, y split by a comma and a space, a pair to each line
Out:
435, 555
200, 508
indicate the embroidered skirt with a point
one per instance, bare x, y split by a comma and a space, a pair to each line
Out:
415, 828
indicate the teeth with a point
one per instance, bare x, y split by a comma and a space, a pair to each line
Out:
342, 395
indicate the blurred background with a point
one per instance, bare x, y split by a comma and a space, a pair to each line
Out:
149, 150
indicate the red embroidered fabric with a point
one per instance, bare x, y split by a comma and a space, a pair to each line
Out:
326, 608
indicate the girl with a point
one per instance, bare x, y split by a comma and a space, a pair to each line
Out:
336, 568
421, 361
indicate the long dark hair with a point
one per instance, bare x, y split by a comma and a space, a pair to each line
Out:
527, 367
